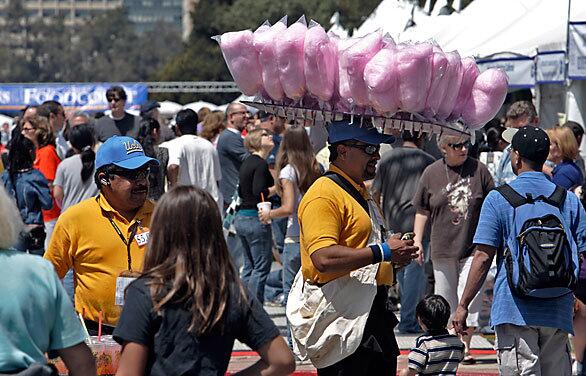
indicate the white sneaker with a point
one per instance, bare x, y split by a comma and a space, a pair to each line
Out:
576, 368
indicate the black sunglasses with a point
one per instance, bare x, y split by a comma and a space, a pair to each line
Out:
460, 145
133, 175
367, 149
115, 99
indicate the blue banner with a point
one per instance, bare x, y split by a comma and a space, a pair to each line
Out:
520, 69
76, 96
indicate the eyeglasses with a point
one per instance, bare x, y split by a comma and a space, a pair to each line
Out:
133, 175
367, 149
115, 99
239, 113
460, 145
27, 129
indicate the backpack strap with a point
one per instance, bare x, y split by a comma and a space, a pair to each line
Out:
512, 196
349, 188
557, 198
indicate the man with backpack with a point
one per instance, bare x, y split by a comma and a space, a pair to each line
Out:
538, 233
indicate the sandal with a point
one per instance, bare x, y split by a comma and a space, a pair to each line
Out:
468, 359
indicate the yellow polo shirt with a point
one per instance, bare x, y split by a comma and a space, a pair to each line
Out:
85, 240
329, 216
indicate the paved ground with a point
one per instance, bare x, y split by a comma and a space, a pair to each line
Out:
482, 350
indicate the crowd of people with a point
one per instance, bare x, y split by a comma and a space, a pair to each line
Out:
171, 239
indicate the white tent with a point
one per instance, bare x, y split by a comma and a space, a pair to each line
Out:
196, 106
169, 109
391, 16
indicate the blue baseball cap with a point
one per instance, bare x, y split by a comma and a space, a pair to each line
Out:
339, 131
123, 152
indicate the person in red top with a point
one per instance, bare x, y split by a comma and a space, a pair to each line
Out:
37, 129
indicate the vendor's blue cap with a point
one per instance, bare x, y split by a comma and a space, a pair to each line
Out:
123, 152
340, 131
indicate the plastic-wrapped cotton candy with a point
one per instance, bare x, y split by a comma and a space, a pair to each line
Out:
355, 59
382, 79
454, 80
487, 96
469, 73
343, 79
321, 63
414, 70
290, 57
242, 60
438, 84
264, 42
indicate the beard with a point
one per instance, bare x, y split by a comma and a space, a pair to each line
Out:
369, 172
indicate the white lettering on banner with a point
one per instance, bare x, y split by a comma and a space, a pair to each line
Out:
577, 51
86, 95
4, 96
551, 67
521, 71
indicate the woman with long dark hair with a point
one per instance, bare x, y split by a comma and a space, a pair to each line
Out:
183, 314
149, 135
297, 169
31, 192
74, 178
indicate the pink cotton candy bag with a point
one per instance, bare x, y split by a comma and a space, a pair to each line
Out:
469, 73
242, 60
487, 96
438, 83
414, 70
264, 42
320, 63
290, 57
382, 79
454, 81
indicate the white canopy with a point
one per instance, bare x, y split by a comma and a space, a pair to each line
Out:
196, 106
169, 109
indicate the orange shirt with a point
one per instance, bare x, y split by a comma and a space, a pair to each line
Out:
46, 162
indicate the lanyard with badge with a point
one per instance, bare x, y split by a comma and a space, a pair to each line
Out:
127, 276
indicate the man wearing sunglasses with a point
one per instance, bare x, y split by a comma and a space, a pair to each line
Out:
341, 231
118, 122
103, 239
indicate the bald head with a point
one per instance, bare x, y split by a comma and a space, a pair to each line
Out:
236, 116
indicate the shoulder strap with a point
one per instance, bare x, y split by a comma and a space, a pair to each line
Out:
557, 198
349, 188
512, 196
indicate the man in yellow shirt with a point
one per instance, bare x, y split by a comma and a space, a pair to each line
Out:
339, 233
103, 239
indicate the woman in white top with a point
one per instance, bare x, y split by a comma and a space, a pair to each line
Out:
297, 169
74, 177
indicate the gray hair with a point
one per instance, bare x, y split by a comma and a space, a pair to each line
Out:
445, 138
10, 220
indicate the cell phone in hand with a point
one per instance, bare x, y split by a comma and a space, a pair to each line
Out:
408, 236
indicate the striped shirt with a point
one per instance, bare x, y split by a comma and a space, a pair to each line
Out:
436, 355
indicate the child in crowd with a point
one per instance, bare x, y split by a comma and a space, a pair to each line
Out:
436, 352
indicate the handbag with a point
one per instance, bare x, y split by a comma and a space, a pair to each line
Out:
34, 237
230, 215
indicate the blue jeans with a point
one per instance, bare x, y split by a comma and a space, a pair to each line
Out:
258, 256
235, 248
279, 227
412, 287
274, 285
291, 258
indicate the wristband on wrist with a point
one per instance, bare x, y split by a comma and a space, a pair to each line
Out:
376, 253
387, 252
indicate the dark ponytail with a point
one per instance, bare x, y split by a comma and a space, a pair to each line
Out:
145, 138
82, 138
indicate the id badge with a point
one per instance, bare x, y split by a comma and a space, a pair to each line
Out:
142, 238
122, 281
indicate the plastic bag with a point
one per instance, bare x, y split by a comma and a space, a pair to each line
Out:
469, 73
343, 79
354, 61
382, 79
487, 96
242, 60
454, 81
264, 42
414, 70
321, 62
438, 83
290, 57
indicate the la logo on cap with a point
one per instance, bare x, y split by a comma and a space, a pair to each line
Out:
133, 147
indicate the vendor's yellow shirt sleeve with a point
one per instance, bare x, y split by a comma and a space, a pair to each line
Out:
329, 216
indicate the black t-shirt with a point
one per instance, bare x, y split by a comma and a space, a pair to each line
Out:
175, 351
255, 178
107, 127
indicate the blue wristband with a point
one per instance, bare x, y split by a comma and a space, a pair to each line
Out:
387, 252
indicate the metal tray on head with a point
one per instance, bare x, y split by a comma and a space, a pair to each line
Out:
400, 121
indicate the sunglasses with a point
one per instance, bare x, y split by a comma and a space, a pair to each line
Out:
132, 175
367, 149
460, 145
115, 99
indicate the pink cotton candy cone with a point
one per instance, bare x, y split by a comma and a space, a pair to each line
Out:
355, 59
264, 42
469, 73
242, 60
290, 57
438, 84
414, 70
487, 96
382, 80
454, 81
321, 63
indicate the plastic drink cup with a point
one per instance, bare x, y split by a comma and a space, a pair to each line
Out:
264, 206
